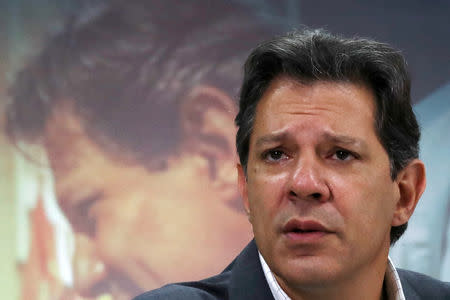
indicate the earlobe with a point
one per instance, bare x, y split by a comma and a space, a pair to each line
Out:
411, 184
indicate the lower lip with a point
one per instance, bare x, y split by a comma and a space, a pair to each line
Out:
305, 237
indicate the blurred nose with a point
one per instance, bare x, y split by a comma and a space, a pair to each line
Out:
307, 180
89, 270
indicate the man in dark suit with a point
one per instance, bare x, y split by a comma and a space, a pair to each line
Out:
329, 175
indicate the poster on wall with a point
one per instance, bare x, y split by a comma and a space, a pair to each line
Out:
120, 120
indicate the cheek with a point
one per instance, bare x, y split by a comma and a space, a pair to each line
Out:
127, 216
112, 240
265, 194
365, 203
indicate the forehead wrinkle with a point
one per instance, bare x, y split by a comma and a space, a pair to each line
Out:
270, 138
344, 139
325, 136
304, 106
307, 100
284, 99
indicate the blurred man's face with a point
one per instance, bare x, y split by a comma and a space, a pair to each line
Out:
318, 187
138, 228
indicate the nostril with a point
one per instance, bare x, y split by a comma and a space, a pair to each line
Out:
316, 195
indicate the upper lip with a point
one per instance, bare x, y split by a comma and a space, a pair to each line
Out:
304, 225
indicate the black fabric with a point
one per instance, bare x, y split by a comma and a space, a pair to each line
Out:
244, 279
419, 286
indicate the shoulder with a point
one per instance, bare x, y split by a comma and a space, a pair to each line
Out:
242, 279
212, 288
423, 285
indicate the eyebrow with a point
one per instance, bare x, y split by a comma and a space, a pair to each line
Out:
270, 138
344, 139
327, 136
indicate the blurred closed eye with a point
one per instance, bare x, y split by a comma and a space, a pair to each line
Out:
80, 214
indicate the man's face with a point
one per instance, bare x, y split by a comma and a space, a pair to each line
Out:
138, 228
318, 186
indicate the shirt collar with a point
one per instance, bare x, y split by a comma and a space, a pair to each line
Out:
393, 285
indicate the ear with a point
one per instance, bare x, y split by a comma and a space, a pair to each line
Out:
411, 183
207, 121
242, 185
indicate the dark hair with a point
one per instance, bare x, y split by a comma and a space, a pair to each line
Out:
127, 66
310, 56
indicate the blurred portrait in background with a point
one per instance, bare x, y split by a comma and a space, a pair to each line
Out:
134, 106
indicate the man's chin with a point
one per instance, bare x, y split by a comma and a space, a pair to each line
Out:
309, 271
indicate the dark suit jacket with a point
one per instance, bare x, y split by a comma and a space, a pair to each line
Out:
244, 279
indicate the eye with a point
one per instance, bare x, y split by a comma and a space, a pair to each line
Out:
81, 216
274, 155
342, 154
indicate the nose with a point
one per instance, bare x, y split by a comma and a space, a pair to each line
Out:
307, 181
88, 269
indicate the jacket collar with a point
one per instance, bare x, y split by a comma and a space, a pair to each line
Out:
247, 278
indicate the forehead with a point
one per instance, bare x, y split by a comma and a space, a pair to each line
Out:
69, 142
75, 156
333, 107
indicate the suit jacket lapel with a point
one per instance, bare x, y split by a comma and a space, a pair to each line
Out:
247, 277
409, 290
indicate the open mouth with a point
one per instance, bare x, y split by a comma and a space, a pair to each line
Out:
299, 226
298, 230
304, 230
